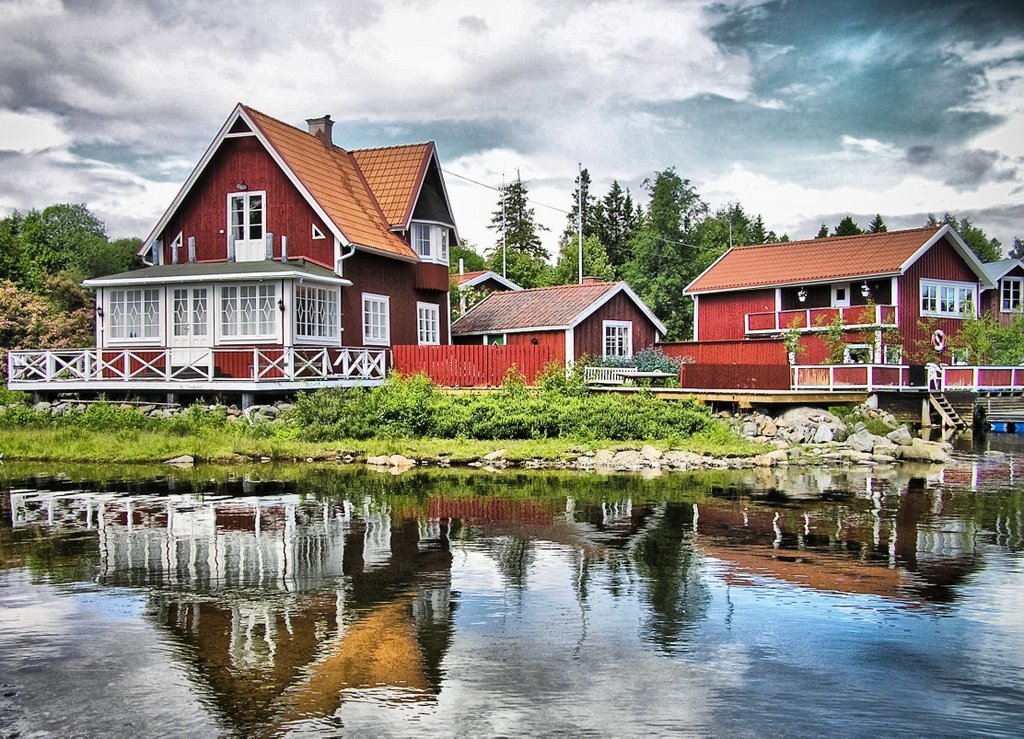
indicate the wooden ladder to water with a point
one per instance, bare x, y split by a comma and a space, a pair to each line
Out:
950, 418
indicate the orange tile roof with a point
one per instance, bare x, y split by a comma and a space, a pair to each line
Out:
541, 307
394, 174
814, 260
332, 176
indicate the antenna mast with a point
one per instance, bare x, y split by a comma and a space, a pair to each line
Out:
579, 222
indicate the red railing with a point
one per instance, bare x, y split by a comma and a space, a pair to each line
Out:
472, 365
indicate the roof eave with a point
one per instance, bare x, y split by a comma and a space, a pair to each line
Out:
792, 283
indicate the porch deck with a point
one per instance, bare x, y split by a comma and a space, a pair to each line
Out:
243, 369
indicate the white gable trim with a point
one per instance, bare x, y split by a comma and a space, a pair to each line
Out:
961, 248
710, 267
490, 275
239, 112
620, 287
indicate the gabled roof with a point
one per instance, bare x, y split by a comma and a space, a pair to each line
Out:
998, 270
394, 174
544, 308
827, 260
333, 182
472, 279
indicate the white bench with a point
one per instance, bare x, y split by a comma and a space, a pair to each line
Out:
609, 375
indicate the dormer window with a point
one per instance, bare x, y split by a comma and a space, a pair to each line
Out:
430, 242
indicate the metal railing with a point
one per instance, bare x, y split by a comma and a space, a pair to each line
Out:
256, 364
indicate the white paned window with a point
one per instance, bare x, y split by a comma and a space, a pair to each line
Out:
1010, 292
947, 299
857, 354
134, 314
248, 311
430, 242
618, 338
428, 323
376, 319
316, 312
893, 354
841, 295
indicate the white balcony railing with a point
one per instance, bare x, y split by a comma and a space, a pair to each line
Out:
871, 377
244, 364
808, 320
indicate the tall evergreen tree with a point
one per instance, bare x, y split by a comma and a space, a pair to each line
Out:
877, 225
822, 232
522, 254
592, 214
847, 227
620, 220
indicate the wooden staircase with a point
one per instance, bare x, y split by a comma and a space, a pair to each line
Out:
950, 418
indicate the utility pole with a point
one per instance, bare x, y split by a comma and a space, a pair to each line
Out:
579, 222
504, 256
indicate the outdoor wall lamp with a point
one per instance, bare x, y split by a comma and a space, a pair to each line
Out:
801, 295
99, 310
280, 304
865, 290
241, 186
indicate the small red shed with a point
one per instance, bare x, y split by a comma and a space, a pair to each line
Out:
595, 318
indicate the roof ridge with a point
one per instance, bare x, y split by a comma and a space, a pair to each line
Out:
560, 287
392, 146
289, 125
833, 239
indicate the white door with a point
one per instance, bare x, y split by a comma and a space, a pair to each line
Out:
191, 339
248, 216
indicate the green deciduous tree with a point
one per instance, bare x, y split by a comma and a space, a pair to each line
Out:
471, 259
822, 232
595, 261
987, 249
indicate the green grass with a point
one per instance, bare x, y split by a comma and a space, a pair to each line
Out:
83, 446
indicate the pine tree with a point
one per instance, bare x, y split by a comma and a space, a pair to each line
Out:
847, 227
822, 232
877, 225
988, 250
619, 222
592, 215
520, 228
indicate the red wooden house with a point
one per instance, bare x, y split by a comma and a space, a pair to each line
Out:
894, 294
283, 262
1006, 301
595, 318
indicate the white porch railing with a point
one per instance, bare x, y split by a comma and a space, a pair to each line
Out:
808, 320
842, 377
83, 366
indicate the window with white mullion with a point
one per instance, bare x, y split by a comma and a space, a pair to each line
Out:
247, 311
430, 242
618, 338
376, 319
1011, 290
948, 299
428, 323
316, 312
134, 314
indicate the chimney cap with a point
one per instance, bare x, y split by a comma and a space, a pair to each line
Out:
322, 127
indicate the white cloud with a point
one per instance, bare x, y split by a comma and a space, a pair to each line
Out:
30, 131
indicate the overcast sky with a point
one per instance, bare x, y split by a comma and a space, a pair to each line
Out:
801, 110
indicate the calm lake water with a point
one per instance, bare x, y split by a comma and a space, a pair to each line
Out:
327, 601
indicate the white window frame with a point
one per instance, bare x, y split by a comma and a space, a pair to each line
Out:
427, 314
946, 299
266, 302
246, 196
436, 242
838, 302
849, 349
151, 330
617, 325
892, 354
370, 299
317, 233
317, 314
1007, 301
495, 339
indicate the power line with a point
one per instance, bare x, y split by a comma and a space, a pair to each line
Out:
498, 189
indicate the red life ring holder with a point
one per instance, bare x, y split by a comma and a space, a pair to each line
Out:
939, 340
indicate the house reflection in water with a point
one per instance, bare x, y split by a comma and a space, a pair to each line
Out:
283, 608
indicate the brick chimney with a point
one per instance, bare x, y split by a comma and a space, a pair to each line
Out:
593, 280
322, 128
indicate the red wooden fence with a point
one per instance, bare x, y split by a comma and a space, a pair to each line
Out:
472, 365
735, 376
770, 352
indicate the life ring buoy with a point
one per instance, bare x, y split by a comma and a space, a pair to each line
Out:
939, 340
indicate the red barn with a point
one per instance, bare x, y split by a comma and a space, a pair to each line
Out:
596, 318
